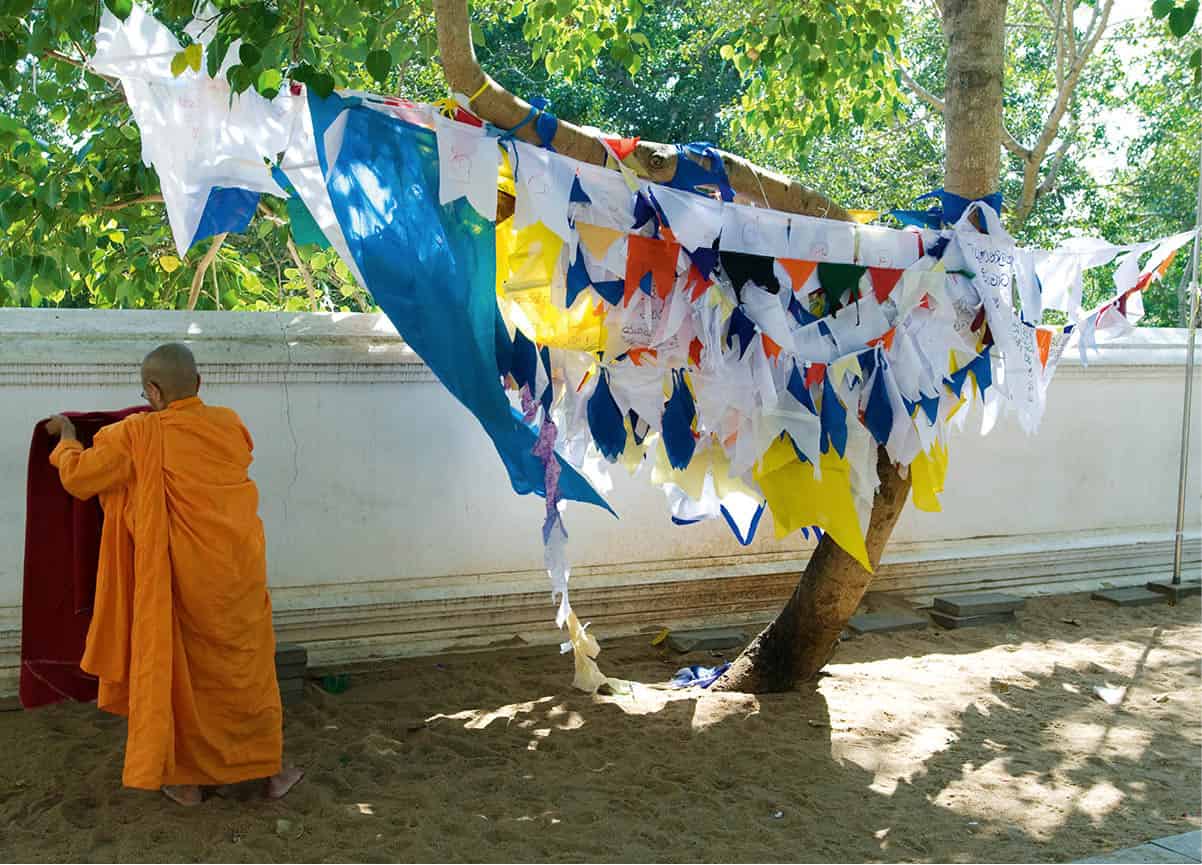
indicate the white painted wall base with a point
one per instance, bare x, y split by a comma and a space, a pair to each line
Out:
392, 530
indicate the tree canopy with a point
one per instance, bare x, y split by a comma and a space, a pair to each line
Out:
840, 94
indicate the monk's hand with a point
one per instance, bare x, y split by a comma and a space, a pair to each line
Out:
60, 426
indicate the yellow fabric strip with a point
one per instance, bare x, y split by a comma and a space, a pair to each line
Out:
798, 499
927, 474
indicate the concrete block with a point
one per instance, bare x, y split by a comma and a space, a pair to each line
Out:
290, 653
291, 671
978, 604
1131, 596
1184, 589
706, 640
949, 621
292, 691
885, 622
1187, 844
1144, 853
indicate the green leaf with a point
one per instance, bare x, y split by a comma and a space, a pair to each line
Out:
322, 84
269, 82
379, 64
477, 34
194, 54
215, 53
1161, 8
1181, 19
120, 8
239, 77
249, 55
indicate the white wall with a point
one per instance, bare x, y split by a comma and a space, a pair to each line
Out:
392, 528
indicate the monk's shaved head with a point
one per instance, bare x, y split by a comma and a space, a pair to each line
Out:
171, 370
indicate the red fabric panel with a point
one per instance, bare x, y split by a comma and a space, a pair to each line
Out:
62, 548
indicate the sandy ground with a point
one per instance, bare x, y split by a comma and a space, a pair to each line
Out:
974, 745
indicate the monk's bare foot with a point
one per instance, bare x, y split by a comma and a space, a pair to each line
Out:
279, 785
188, 795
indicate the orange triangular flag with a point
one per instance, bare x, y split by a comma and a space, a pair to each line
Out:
623, 147
814, 373
799, 271
648, 255
771, 349
885, 339
1043, 338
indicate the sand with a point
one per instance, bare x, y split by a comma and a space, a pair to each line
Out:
974, 745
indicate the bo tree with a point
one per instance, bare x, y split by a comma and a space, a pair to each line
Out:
803, 67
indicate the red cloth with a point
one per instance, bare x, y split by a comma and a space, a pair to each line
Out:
62, 547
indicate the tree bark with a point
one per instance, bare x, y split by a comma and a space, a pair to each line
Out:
973, 119
802, 638
657, 161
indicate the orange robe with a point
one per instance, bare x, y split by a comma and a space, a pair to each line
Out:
181, 636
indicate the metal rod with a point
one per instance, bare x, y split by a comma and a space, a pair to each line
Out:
1186, 416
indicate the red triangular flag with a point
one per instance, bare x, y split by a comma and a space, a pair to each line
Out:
884, 279
623, 147
814, 373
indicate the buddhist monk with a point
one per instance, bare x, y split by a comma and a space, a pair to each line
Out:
181, 638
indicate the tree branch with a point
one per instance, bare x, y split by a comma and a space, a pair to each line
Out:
144, 199
306, 275
657, 161
1051, 127
79, 64
199, 276
925, 95
1049, 180
1011, 144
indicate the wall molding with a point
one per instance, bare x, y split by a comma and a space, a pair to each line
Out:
397, 618
126, 374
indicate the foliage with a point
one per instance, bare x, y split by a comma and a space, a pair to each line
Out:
808, 88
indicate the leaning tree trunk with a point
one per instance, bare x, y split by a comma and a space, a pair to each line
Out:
802, 638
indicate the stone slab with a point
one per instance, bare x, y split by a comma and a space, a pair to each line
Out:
1131, 596
1144, 853
706, 640
885, 622
292, 691
978, 604
1187, 844
950, 621
1184, 589
291, 671
290, 653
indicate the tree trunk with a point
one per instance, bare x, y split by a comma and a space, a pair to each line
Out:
802, 638
973, 120
804, 634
